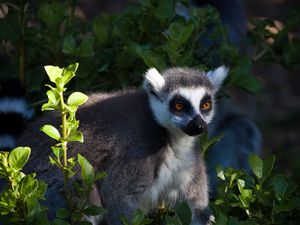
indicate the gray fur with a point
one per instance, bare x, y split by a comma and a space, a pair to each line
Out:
145, 162
177, 77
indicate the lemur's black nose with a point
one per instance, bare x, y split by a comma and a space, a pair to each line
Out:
196, 126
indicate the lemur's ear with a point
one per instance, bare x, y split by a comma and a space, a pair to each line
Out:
217, 76
153, 81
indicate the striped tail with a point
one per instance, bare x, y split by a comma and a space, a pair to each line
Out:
14, 112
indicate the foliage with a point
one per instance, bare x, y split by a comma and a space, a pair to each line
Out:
78, 200
263, 198
19, 201
276, 44
181, 215
208, 142
116, 49
138, 218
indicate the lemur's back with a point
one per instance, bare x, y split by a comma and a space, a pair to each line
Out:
112, 127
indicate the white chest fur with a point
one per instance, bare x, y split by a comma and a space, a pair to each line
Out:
175, 172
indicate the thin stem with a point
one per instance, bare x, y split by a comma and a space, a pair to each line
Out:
22, 44
71, 5
22, 63
259, 55
64, 135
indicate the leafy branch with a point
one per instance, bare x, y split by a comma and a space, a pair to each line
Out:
69, 133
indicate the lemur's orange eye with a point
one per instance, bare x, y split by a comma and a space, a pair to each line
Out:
206, 105
178, 106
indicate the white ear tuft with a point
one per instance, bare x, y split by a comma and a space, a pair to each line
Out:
217, 76
153, 81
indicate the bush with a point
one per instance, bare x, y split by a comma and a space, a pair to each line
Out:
263, 198
114, 50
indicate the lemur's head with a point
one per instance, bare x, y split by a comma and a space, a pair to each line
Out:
182, 99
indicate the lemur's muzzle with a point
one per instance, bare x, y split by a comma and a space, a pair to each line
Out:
196, 126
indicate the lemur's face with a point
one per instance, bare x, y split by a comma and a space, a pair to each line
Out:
190, 109
183, 99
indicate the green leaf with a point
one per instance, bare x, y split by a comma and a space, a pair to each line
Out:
179, 32
62, 213
280, 186
52, 13
72, 67
86, 47
281, 208
18, 157
41, 190
33, 207
76, 216
52, 96
8, 202
100, 30
256, 165
85, 223
69, 45
220, 172
53, 72
268, 166
246, 195
261, 168
220, 216
59, 222
265, 198
28, 186
51, 131
249, 83
57, 151
165, 9
135, 48
93, 210
153, 59
172, 220
77, 98
69, 73
184, 213
67, 76
100, 175
125, 220
87, 170
48, 107
294, 203
139, 218
76, 136
55, 162
241, 185
207, 143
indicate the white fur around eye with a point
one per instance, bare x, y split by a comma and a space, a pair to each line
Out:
193, 95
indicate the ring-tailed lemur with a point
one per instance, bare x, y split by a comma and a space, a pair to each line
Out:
14, 112
145, 140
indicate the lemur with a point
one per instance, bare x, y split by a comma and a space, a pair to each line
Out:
14, 112
146, 141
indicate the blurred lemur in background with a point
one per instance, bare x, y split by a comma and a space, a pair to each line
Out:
145, 140
241, 135
14, 112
